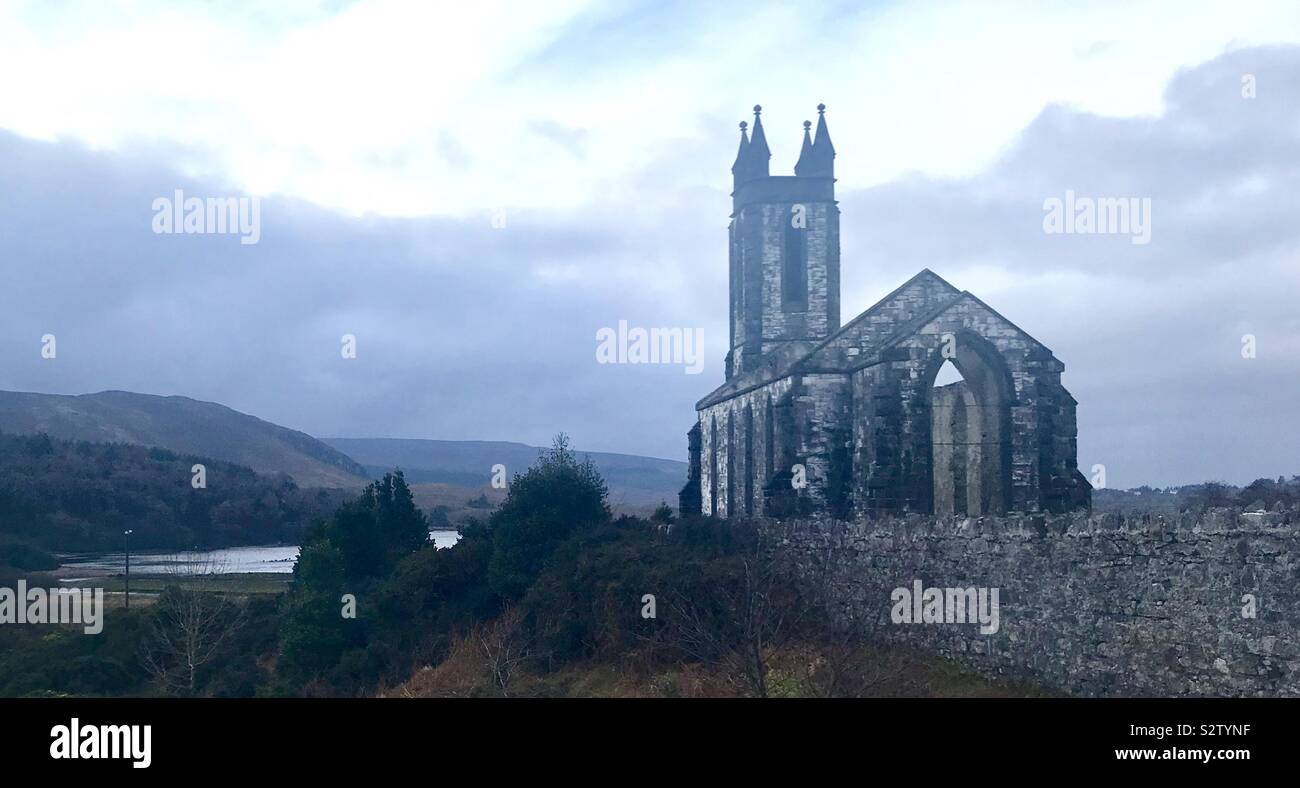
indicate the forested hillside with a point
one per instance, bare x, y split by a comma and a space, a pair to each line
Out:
66, 496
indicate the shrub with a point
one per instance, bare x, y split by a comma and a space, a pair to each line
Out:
555, 498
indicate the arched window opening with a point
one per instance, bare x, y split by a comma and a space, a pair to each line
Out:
970, 443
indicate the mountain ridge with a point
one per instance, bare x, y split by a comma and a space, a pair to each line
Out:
633, 480
181, 424
191, 426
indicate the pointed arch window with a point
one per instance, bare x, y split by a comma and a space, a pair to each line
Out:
794, 268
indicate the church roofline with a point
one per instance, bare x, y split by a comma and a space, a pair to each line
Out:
736, 387
912, 327
871, 310
1007, 320
762, 377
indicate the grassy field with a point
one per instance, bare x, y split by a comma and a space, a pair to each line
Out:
232, 583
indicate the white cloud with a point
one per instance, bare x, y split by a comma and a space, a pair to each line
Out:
452, 108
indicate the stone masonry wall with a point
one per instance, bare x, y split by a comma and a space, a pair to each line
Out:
1088, 605
728, 458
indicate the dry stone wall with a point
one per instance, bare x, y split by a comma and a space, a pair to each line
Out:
1184, 605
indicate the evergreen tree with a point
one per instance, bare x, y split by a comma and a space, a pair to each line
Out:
312, 634
663, 514
379, 528
555, 498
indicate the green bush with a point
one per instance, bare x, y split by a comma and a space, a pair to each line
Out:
312, 634
554, 499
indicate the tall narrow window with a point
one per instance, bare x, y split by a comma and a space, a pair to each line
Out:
732, 451
713, 467
749, 459
769, 441
794, 269
737, 289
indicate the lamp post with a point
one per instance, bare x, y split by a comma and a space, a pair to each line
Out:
127, 543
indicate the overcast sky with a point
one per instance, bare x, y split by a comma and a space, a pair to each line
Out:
383, 139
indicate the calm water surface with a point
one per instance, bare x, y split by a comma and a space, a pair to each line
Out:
235, 560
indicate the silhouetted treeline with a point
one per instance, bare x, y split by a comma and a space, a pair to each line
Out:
1265, 493
65, 496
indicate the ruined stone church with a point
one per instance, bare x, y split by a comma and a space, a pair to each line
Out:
815, 416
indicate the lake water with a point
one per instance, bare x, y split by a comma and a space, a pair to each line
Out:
232, 560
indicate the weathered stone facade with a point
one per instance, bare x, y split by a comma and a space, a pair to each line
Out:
1088, 605
853, 410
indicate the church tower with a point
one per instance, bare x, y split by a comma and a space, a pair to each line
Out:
784, 248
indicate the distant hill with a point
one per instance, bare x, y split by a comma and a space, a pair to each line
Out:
444, 471
634, 482
182, 425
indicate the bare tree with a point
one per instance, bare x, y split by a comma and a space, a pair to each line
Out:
191, 624
845, 666
505, 647
736, 624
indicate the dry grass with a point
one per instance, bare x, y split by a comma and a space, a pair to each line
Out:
803, 670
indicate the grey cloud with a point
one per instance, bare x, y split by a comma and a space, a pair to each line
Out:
466, 331
1151, 335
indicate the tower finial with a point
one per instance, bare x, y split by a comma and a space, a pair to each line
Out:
818, 160
806, 165
741, 163
759, 153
